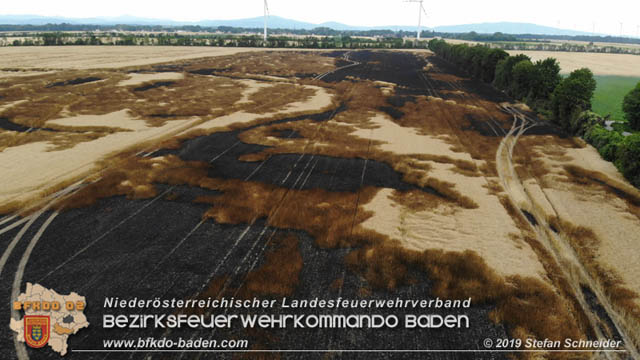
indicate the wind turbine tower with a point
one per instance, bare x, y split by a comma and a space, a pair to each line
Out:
266, 15
421, 10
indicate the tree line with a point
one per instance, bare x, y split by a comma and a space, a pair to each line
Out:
222, 40
565, 101
322, 31
567, 47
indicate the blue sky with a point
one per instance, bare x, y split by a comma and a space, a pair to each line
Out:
576, 15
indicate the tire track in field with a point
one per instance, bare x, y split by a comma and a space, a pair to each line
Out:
310, 142
171, 188
561, 250
509, 140
31, 219
515, 189
20, 347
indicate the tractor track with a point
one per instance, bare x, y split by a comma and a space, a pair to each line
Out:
234, 250
559, 247
562, 252
311, 142
44, 205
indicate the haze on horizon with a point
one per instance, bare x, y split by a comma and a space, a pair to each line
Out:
603, 17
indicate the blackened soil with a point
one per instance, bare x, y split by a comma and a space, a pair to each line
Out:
169, 68
595, 305
478, 88
159, 247
400, 101
343, 174
164, 116
546, 128
11, 126
397, 68
532, 219
209, 71
392, 111
483, 125
334, 54
154, 85
6, 124
342, 62
77, 81
160, 69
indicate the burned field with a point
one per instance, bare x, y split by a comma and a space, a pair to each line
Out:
244, 176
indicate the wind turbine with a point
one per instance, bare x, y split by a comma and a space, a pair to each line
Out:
621, 29
420, 11
266, 15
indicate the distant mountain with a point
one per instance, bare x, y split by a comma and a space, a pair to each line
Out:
43, 20
283, 23
509, 28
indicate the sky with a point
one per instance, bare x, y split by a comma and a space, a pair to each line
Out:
603, 16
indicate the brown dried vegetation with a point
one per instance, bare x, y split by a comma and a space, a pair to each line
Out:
206, 97
596, 179
327, 216
282, 64
278, 276
585, 243
135, 177
59, 141
528, 306
278, 97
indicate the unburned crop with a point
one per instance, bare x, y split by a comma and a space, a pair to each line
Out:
529, 306
586, 244
594, 178
58, 141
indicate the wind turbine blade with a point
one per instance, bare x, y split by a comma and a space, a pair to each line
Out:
423, 9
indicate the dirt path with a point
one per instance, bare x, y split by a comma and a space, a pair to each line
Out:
605, 326
559, 248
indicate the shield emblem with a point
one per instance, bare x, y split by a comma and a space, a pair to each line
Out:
36, 330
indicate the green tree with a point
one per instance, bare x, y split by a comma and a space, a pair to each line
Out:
504, 71
490, 61
523, 75
571, 97
547, 78
631, 107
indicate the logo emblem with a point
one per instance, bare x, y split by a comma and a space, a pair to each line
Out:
36, 330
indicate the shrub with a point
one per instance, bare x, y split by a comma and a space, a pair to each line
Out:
572, 96
631, 107
547, 77
605, 141
585, 122
627, 161
523, 78
504, 71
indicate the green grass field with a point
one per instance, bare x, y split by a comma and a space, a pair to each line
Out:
609, 94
